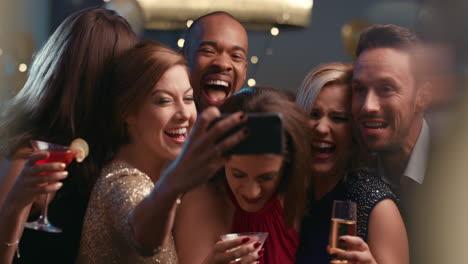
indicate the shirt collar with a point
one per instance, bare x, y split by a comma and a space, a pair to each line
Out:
417, 163
416, 168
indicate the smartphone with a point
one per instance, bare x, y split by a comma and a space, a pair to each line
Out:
266, 134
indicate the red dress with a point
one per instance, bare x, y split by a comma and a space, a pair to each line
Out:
281, 244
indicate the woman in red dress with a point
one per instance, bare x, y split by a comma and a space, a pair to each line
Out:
256, 192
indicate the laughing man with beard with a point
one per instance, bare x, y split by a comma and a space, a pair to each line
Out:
216, 51
388, 103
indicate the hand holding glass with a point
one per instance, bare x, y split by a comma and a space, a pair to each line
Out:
343, 222
57, 153
254, 236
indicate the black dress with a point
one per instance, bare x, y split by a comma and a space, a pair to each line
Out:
366, 189
66, 211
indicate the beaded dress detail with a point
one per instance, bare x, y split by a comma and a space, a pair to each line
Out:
361, 187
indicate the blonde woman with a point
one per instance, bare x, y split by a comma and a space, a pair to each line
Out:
326, 95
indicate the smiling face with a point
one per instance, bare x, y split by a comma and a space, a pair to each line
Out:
254, 179
217, 59
387, 106
332, 129
162, 123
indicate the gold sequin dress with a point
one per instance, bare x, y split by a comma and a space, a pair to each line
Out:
107, 237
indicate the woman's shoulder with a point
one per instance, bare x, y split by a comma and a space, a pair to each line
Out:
367, 190
122, 178
206, 194
115, 171
209, 199
365, 185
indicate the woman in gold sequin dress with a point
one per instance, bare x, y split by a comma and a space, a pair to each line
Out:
151, 113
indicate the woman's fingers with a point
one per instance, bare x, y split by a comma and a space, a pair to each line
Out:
27, 189
358, 251
232, 140
53, 187
34, 169
204, 120
250, 258
354, 256
207, 135
48, 178
222, 127
242, 248
35, 157
238, 253
47, 168
354, 243
357, 257
225, 245
202, 154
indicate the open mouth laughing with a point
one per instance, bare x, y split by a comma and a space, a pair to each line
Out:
216, 90
178, 135
373, 126
323, 149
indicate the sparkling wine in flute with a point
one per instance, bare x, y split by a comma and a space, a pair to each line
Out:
340, 227
343, 222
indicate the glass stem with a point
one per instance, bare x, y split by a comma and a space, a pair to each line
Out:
43, 217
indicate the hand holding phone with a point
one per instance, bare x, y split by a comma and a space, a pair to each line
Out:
266, 134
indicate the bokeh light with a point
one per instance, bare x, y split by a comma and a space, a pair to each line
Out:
181, 42
254, 59
251, 82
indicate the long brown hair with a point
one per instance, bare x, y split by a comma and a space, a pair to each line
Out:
60, 99
133, 77
295, 182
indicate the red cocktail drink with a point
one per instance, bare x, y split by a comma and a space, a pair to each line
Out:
57, 153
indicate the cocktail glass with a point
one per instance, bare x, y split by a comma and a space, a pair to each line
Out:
254, 236
57, 153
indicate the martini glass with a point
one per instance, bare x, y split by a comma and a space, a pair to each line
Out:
254, 236
57, 153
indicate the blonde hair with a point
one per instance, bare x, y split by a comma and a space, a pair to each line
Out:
323, 75
314, 82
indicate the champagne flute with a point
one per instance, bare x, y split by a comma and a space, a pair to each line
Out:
57, 153
343, 222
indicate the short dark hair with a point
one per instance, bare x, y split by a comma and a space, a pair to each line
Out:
188, 34
390, 36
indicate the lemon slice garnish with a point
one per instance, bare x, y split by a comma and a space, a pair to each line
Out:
81, 149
